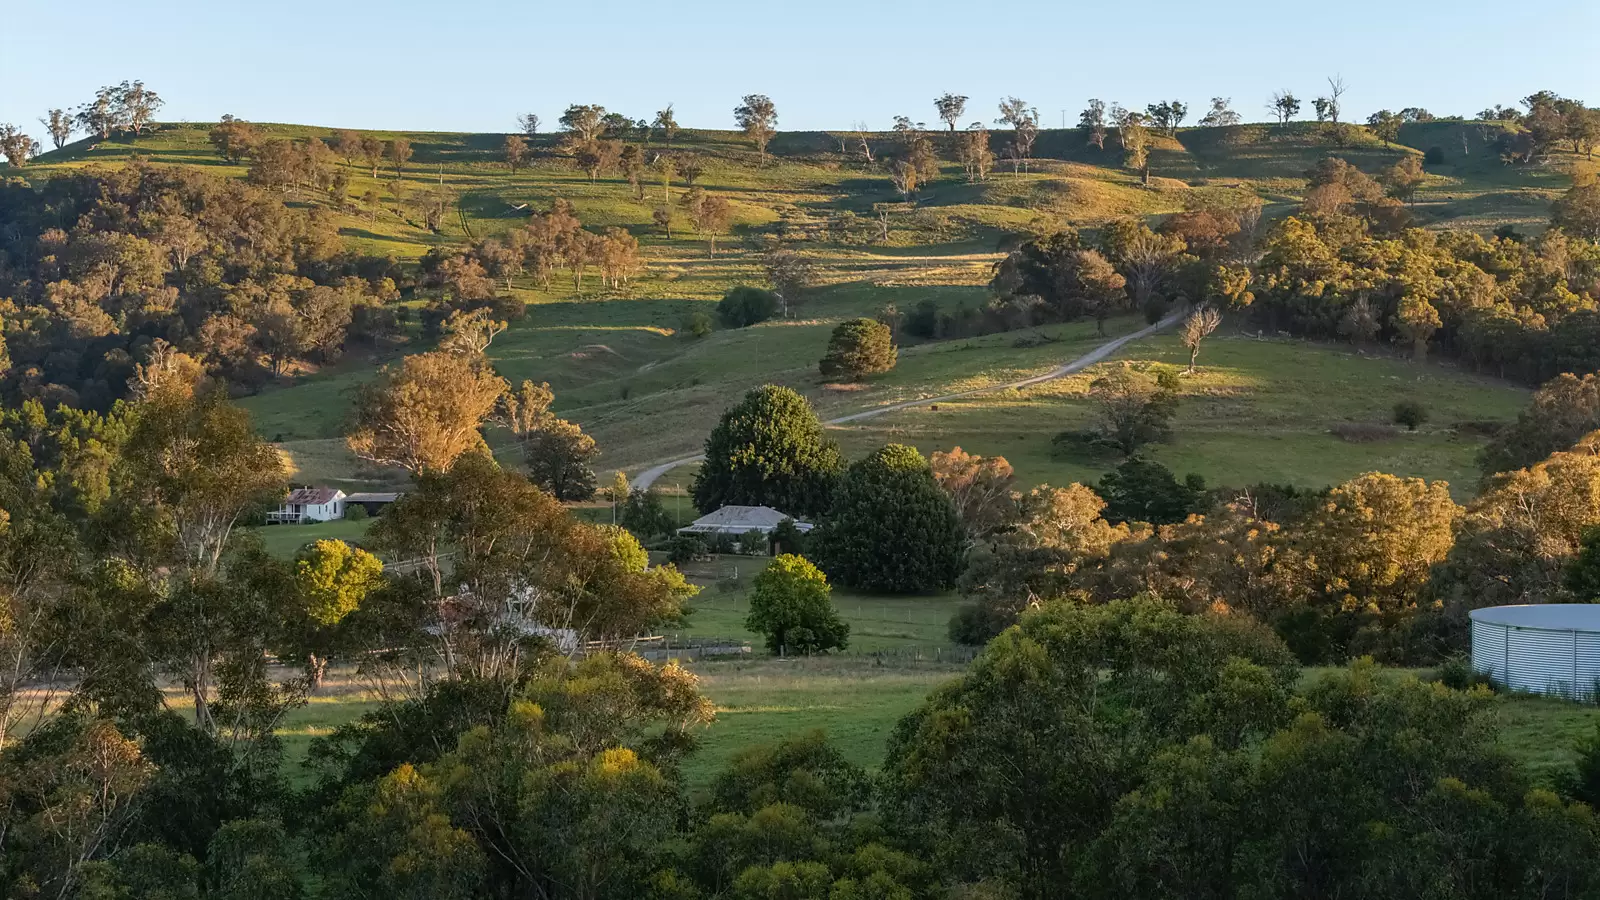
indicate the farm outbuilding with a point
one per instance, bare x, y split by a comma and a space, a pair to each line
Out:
373, 502
1551, 648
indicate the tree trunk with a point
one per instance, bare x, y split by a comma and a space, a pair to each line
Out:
1194, 354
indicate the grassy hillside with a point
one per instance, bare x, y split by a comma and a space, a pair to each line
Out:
621, 367
1259, 409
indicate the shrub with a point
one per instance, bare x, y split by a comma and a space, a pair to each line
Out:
1434, 156
1410, 413
1083, 446
685, 548
753, 542
791, 603
892, 528
1457, 673
508, 309
697, 325
1583, 783
355, 512
745, 306
858, 348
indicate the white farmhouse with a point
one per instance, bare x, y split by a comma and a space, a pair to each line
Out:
309, 505
736, 521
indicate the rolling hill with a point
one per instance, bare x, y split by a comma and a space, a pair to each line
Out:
622, 368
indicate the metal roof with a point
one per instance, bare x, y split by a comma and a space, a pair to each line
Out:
741, 519
1553, 616
371, 497
314, 496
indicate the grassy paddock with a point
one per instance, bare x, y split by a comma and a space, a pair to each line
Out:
286, 540
879, 624
857, 700
1259, 409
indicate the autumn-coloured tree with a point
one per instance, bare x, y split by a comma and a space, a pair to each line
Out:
980, 487
1416, 321
470, 331
1577, 212
1376, 538
709, 214
424, 413
515, 152
1563, 411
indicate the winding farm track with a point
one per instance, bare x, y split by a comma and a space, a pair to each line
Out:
649, 476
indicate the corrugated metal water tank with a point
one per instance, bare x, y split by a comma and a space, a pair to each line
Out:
1551, 648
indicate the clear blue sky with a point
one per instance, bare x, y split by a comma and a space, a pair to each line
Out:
472, 65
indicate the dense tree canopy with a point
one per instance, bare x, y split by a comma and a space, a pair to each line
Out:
1130, 750
1521, 309
770, 450
891, 528
102, 262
